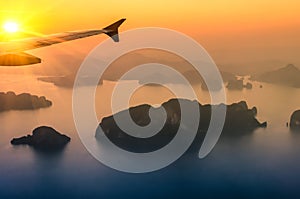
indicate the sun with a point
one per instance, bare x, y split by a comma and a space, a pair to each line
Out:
11, 26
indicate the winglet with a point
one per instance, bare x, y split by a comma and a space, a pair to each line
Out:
112, 30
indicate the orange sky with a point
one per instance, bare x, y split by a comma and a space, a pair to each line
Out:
60, 15
234, 32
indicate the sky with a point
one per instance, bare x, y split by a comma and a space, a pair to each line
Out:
242, 36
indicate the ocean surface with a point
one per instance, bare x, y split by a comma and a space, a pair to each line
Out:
264, 164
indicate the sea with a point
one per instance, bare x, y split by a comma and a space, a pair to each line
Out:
262, 164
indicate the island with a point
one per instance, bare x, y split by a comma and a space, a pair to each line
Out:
216, 85
192, 76
67, 81
286, 76
295, 121
240, 120
43, 138
238, 84
23, 101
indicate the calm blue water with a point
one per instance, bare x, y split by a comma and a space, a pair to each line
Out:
265, 164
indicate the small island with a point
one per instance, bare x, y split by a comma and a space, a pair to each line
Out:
43, 138
67, 81
295, 121
23, 101
238, 84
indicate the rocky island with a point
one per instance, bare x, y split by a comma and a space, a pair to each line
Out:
239, 121
295, 121
67, 81
238, 84
43, 138
24, 101
286, 76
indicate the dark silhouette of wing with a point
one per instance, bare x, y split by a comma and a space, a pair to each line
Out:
38, 42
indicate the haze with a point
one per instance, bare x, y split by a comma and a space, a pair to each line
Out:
242, 37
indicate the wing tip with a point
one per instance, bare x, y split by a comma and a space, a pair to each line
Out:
112, 30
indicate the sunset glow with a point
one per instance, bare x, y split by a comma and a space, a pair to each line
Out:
233, 32
11, 26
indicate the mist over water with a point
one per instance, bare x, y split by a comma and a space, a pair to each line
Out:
262, 164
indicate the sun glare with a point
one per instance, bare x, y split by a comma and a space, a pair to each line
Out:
10, 27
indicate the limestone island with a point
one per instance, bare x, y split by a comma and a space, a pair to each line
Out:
295, 121
67, 81
240, 120
238, 85
24, 101
286, 76
43, 138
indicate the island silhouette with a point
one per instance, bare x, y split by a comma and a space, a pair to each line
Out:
285, 76
295, 121
23, 101
43, 138
240, 120
238, 84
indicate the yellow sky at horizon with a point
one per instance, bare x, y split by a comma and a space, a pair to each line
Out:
61, 15
231, 30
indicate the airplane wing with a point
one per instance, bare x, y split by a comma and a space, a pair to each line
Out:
11, 53
38, 42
